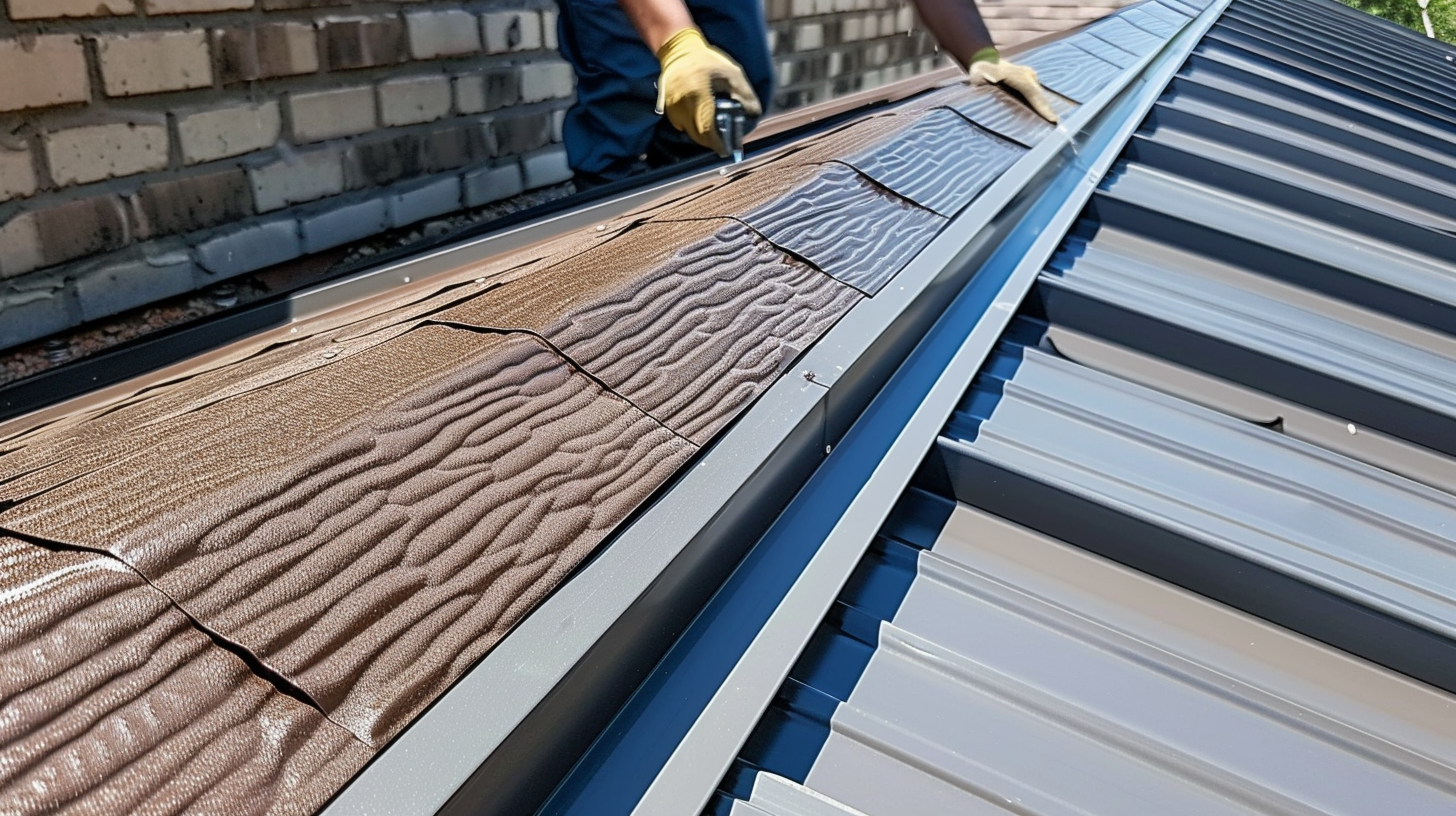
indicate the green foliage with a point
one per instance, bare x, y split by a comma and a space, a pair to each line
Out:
1408, 13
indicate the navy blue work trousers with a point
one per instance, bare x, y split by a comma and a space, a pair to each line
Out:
613, 129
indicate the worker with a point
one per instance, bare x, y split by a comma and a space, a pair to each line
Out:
648, 72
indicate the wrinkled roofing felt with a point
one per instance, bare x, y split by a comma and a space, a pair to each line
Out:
361, 508
1193, 527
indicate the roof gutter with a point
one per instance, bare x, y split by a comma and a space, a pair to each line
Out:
512, 728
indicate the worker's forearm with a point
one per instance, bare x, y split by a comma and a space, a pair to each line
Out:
956, 25
657, 20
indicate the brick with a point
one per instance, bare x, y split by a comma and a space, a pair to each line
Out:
558, 126
808, 37
254, 247
283, 5
153, 62
265, 52
492, 184
545, 169
342, 225
521, 134
299, 178
505, 31
108, 288
80, 228
547, 80
17, 173
330, 114
413, 100
442, 34
191, 203
364, 42
53, 68
209, 135
38, 309
452, 148
421, 201
195, 6
379, 162
47, 9
492, 90
86, 154
20, 248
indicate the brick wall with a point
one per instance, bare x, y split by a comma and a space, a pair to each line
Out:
149, 148
828, 48
152, 147
1016, 21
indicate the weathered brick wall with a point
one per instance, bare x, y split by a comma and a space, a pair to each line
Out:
828, 48
149, 148
1016, 21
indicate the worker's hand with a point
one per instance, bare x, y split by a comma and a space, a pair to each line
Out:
692, 72
989, 67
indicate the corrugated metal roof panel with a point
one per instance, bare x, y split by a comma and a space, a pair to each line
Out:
1023, 675
1206, 546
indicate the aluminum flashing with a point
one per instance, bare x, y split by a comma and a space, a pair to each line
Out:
700, 704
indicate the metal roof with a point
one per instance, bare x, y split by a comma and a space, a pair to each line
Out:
1187, 544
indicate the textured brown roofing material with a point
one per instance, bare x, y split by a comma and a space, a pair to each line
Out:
369, 529
688, 321
114, 702
364, 504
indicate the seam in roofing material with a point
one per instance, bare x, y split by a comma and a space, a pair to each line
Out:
114, 701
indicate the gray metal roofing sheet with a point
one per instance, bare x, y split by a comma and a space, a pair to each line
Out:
1206, 537
1023, 675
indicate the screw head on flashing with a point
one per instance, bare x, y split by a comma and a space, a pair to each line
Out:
828, 449
225, 296
57, 351
808, 375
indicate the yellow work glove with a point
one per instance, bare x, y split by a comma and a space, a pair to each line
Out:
692, 72
987, 66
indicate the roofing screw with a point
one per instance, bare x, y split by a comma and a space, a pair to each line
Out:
57, 351
828, 449
808, 375
329, 355
225, 296
601, 227
1351, 428
406, 279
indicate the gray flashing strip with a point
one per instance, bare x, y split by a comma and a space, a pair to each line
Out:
483, 745
1020, 669
485, 742
687, 780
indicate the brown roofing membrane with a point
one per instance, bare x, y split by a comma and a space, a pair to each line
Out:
364, 504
